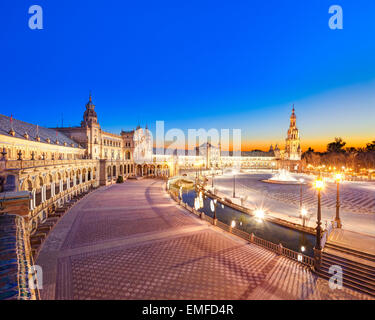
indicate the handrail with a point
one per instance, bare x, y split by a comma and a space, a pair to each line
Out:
327, 232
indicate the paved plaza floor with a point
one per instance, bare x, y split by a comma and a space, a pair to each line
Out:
131, 241
357, 199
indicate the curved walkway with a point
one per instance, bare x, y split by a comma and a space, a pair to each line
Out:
131, 241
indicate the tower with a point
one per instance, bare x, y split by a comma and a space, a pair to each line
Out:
293, 146
92, 137
89, 116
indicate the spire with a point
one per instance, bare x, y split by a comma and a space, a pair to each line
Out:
293, 118
90, 97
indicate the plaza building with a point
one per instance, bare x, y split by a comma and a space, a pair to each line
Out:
56, 164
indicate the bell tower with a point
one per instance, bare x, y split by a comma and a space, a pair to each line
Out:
92, 132
89, 116
293, 145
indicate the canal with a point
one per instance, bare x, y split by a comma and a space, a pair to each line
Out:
293, 239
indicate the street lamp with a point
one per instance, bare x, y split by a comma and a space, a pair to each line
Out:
213, 206
338, 178
319, 185
303, 215
234, 185
301, 181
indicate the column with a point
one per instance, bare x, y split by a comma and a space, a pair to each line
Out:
34, 201
43, 193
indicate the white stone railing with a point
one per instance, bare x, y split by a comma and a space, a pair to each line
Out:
24, 164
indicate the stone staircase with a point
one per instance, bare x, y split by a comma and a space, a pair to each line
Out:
358, 267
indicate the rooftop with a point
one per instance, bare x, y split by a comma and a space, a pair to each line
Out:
21, 127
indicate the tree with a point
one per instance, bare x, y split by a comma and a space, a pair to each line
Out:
336, 146
370, 146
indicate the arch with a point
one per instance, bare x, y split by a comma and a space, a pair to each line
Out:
158, 170
152, 170
27, 185
109, 172
139, 170
89, 174
84, 171
48, 187
39, 186
127, 155
78, 174
114, 171
145, 170
71, 178
58, 181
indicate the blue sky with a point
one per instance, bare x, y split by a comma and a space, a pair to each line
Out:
194, 64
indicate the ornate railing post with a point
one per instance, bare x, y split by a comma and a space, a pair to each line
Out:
252, 238
280, 249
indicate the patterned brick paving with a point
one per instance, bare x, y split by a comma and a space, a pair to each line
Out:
354, 198
106, 248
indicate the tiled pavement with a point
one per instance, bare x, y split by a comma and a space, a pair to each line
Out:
353, 197
131, 241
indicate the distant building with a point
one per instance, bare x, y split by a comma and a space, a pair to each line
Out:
292, 142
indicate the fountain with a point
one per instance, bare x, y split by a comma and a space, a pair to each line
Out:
283, 177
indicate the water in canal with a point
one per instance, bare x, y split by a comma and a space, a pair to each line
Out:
290, 238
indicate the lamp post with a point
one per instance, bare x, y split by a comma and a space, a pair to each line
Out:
319, 185
301, 181
303, 215
339, 178
213, 206
234, 185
